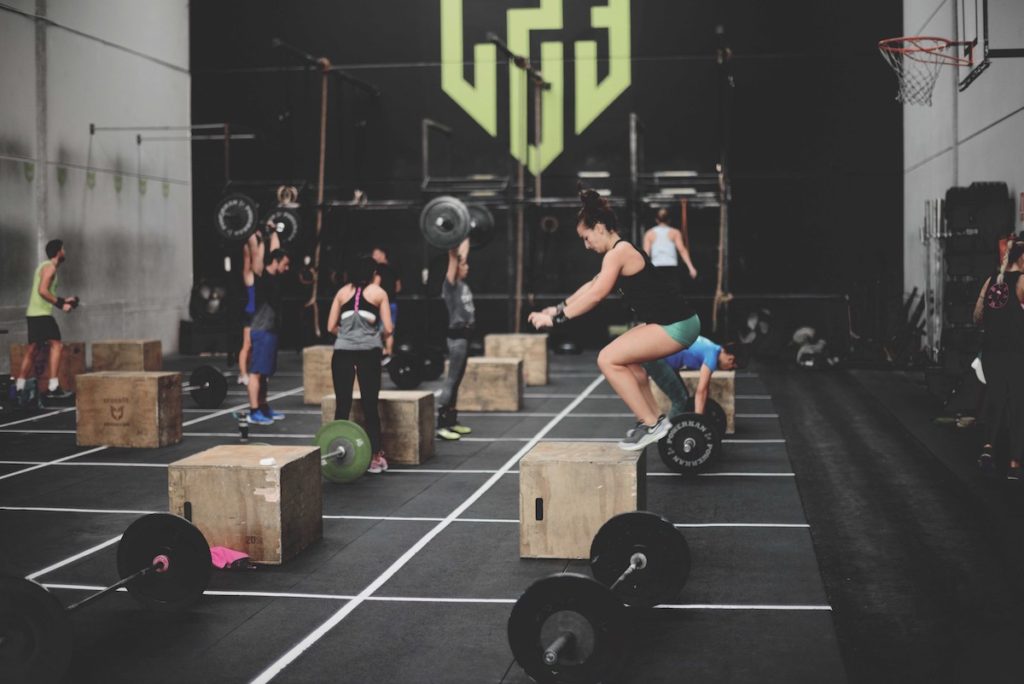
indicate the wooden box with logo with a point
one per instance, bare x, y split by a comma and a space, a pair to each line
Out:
128, 409
72, 363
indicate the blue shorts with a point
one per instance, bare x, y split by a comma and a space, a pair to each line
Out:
394, 313
263, 358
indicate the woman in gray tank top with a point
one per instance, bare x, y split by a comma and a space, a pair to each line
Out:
360, 315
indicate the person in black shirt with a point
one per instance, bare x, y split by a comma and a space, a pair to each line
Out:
668, 325
388, 280
998, 309
266, 323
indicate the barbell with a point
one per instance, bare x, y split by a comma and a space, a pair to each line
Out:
408, 368
164, 563
446, 221
694, 441
345, 451
237, 217
570, 628
207, 386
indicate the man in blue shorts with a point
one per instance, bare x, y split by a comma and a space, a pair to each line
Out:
703, 355
266, 323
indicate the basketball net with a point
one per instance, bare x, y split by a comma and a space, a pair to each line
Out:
918, 60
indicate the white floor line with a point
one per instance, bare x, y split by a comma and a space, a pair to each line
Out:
766, 397
442, 600
801, 526
278, 666
754, 441
93, 464
288, 411
272, 397
72, 559
39, 417
395, 518
43, 431
254, 435
41, 509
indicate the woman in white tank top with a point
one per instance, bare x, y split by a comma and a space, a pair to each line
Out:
664, 244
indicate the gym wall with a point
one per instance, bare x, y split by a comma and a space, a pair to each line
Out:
816, 202
124, 211
973, 136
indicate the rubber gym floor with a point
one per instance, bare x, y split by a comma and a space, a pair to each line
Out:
831, 544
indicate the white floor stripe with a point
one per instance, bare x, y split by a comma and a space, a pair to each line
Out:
93, 464
439, 599
766, 397
42, 431
72, 559
754, 441
50, 463
39, 417
391, 518
41, 509
278, 666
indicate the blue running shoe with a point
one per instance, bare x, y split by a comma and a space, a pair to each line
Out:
257, 418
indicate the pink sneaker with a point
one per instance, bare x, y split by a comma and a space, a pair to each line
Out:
377, 464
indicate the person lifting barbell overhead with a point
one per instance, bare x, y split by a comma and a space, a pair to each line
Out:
360, 317
669, 323
998, 310
42, 326
253, 251
266, 323
704, 356
458, 299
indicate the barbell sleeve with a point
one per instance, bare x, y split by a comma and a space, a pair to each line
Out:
564, 640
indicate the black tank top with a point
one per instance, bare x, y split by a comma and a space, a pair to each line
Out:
652, 296
1003, 318
357, 303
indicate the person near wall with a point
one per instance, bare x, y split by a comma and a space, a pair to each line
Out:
266, 325
42, 326
360, 318
458, 299
665, 246
998, 310
668, 323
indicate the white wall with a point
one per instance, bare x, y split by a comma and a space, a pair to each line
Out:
123, 210
976, 135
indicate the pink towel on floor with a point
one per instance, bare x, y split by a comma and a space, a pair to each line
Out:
224, 557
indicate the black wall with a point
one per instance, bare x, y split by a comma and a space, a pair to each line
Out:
816, 146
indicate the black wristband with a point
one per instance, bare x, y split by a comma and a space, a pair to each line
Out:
560, 319
559, 307
60, 303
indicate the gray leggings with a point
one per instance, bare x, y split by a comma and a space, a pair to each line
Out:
458, 351
669, 382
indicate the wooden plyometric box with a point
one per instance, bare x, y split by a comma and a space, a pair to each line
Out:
531, 348
317, 381
127, 355
723, 390
264, 500
491, 384
568, 490
72, 363
406, 423
128, 409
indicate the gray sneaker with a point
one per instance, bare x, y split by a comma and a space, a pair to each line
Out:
633, 429
642, 435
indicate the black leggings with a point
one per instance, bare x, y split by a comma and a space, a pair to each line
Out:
345, 366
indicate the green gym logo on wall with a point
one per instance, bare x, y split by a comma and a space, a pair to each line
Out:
479, 99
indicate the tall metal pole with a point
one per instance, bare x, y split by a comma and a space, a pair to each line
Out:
723, 57
325, 65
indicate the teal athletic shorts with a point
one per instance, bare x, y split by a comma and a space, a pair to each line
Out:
684, 332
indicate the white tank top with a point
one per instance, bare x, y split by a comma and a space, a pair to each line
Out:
663, 250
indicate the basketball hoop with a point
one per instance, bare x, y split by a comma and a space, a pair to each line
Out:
917, 61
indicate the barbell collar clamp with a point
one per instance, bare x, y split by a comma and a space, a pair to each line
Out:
637, 561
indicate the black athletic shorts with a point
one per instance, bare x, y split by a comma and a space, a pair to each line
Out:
42, 329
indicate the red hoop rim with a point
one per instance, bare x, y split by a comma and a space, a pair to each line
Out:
912, 47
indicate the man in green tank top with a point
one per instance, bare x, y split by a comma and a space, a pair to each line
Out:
42, 326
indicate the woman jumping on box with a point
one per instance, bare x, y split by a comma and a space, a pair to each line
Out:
359, 315
670, 325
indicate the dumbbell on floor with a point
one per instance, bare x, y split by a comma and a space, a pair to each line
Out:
164, 563
570, 628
